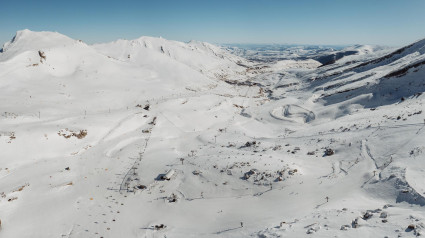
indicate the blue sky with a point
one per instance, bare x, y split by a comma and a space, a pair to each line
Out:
336, 22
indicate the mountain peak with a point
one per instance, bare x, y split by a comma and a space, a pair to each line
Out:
31, 40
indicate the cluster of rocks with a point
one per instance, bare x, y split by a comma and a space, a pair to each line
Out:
383, 215
172, 198
250, 144
329, 152
159, 227
67, 133
313, 228
295, 150
356, 223
258, 177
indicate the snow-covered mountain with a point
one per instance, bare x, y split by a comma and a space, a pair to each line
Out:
375, 82
158, 138
64, 70
200, 56
351, 54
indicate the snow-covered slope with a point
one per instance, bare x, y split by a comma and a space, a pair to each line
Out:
70, 70
351, 54
385, 79
203, 57
157, 138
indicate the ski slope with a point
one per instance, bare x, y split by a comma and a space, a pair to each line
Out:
89, 132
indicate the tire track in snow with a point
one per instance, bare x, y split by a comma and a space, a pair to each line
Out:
366, 153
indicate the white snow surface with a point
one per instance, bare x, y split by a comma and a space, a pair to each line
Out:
88, 133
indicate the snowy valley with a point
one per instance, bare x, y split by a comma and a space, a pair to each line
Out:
158, 138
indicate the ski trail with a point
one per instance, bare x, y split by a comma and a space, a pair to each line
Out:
116, 126
341, 169
366, 153
368, 156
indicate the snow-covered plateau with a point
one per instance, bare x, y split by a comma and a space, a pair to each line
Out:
158, 138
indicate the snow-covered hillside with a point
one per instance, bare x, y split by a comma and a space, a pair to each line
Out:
200, 56
157, 138
375, 82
